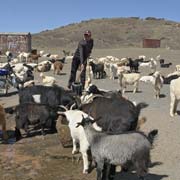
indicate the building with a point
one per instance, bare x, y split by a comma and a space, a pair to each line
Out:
151, 43
15, 42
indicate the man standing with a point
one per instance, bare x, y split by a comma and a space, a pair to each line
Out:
79, 60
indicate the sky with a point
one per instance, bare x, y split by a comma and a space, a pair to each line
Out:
35, 16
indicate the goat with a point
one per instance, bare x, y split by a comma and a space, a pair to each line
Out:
78, 135
24, 55
128, 79
174, 95
157, 83
169, 78
119, 149
178, 67
147, 79
156, 80
89, 76
58, 66
134, 65
143, 57
98, 70
93, 92
34, 58
164, 65
34, 114
113, 70
47, 80
152, 64
44, 66
54, 56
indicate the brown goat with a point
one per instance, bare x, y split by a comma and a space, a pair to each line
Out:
3, 122
34, 57
58, 66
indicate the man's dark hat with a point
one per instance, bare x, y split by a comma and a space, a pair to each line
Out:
87, 33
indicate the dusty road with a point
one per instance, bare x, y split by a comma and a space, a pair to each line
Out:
38, 158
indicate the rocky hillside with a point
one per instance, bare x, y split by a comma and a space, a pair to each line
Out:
111, 33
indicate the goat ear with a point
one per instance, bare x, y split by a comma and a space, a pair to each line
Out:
97, 119
78, 124
89, 112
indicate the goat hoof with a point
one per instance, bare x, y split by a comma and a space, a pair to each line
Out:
141, 178
75, 151
86, 171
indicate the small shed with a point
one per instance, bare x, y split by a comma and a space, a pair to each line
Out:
151, 43
15, 42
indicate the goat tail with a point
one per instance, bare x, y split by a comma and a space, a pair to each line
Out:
152, 134
140, 106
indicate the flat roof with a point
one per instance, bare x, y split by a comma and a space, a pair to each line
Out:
15, 33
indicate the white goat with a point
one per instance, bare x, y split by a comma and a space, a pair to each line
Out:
47, 80
156, 80
142, 57
157, 83
78, 134
18, 68
54, 56
128, 79
178, 67
147, 79
41, 52
158, 57
23, 55
89, 76
113, 70
174, 95
153, 65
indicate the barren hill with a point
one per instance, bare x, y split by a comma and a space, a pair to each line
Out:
111, 33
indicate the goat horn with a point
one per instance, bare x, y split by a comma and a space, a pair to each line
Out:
64, 107
73, 105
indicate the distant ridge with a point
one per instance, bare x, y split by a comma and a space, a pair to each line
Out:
111, 33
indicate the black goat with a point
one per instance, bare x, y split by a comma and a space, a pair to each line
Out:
134, 64
167, 80
98, 70
165, 65
161, 61
34, 114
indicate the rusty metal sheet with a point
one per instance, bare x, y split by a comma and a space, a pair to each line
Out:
15, 43
151, 43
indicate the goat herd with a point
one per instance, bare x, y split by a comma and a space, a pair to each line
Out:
102, 122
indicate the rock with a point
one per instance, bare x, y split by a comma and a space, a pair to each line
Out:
64, 132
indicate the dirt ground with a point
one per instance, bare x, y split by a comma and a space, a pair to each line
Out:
44, 158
